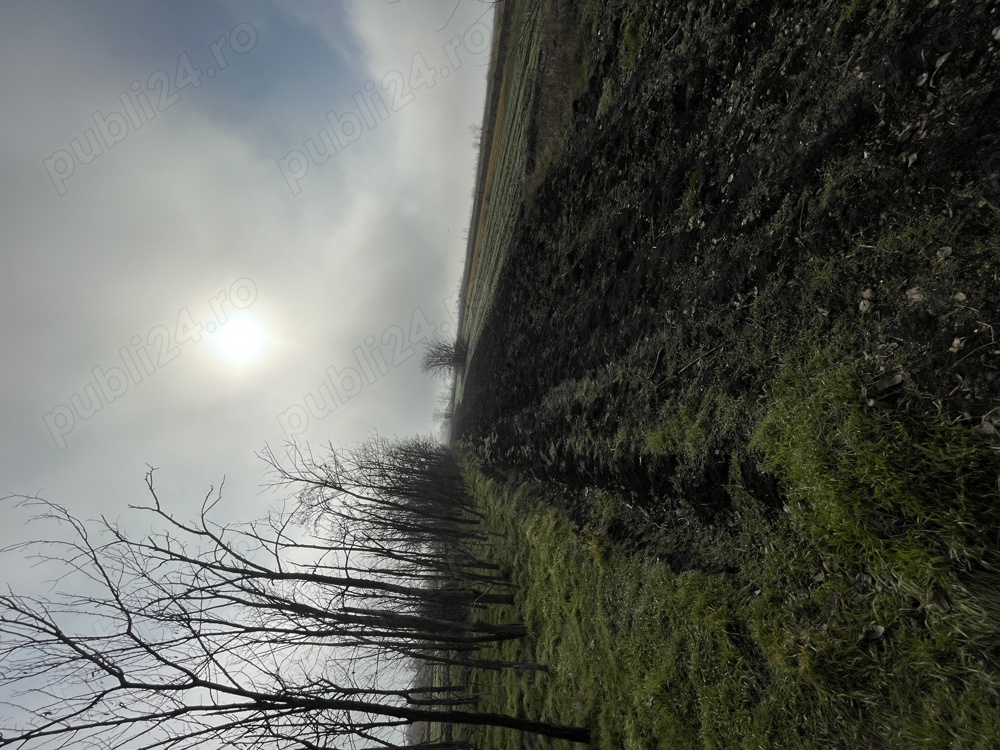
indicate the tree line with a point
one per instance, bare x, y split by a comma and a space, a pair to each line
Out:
291, 631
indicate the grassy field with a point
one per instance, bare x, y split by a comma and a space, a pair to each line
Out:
800, 650
530, 123
506, 155
735, 391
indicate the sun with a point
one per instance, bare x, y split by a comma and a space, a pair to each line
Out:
240, 340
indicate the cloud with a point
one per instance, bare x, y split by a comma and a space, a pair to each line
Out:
160, 225
329, 20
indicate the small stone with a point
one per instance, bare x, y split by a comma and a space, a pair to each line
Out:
987, 429
872, 633
890, 382
960, 297
865, 305
915, 295
944, 252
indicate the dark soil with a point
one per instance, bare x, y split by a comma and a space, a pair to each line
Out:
769, 174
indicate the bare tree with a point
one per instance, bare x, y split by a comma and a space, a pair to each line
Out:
444, 410
228, 635
444, 357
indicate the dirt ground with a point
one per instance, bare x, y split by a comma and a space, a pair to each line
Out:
743, 182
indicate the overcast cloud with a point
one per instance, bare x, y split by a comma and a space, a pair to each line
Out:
303, 181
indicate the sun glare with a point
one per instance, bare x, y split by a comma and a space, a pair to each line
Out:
240, 340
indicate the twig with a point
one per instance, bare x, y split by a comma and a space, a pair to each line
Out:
689, 364
699, 357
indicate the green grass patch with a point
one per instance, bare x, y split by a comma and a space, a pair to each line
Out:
634, 33
607, 99
629, 643
584, 42
907, 496
693, 190
842, 628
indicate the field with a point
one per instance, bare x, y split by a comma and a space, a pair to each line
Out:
734, 389
517, 102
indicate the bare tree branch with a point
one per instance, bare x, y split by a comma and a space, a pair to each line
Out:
265, 634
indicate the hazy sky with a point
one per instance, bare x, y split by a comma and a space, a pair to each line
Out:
170, 167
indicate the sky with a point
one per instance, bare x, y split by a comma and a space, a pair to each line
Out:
226, 224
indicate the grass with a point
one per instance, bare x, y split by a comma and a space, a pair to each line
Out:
865, 615
909, 498
636, 29
504, 176
584, 43
859, 474
607, 98
577, 591
741, 377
